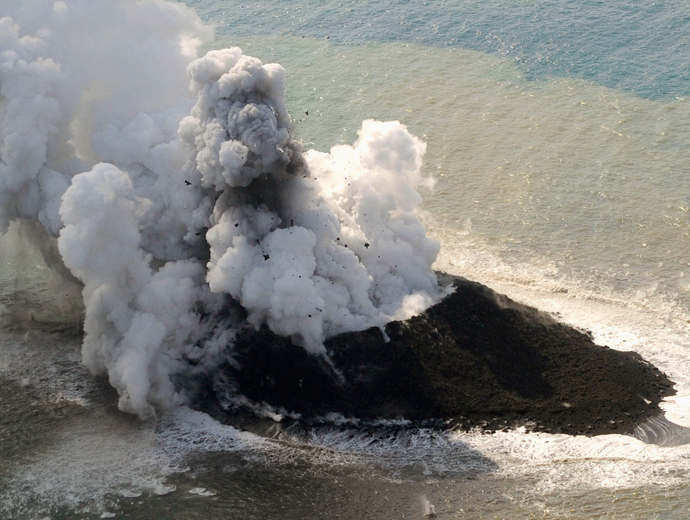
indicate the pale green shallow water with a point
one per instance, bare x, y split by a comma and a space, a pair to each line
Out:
592, 179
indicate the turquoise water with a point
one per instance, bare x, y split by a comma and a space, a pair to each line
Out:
639, 47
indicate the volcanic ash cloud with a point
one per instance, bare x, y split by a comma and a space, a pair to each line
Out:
185, 223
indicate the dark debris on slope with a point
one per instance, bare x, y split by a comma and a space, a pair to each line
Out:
476, 359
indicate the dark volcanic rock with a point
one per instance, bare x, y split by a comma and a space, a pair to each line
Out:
476, 358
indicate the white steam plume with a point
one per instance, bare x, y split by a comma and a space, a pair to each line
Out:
173, 208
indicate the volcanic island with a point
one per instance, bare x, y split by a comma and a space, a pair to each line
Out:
476, 359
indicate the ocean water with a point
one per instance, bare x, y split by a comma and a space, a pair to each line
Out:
557, 135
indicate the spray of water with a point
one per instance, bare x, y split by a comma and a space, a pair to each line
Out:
181, 201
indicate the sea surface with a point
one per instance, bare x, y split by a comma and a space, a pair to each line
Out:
558, 134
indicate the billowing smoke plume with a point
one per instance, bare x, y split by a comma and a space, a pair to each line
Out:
176, 202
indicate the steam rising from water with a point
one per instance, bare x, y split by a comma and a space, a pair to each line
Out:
185, 216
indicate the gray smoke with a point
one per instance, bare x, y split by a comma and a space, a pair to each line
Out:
175, 201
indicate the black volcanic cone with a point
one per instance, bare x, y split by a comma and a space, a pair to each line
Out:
476, 358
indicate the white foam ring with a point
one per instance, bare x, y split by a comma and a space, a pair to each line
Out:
656, 327
420, 452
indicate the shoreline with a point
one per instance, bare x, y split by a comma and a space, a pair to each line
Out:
476, 359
